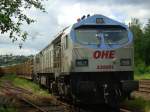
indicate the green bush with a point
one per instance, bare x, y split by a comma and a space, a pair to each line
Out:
140, 68
148, 69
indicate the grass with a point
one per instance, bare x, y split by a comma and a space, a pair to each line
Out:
7, 109
26, 84
138, 103
142, 76
141, 71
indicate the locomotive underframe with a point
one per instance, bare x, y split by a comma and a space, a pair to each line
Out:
102, 87
92, 87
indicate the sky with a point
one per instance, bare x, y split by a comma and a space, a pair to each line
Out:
61, 13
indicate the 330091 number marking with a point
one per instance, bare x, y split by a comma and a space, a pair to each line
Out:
104, 67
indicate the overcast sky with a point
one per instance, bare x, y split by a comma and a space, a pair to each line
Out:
61, 13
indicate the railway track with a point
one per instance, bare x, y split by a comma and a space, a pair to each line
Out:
29, 106
55, 106
125, 110
130, 110
16, 94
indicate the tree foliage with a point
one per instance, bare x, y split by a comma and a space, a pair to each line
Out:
141, 42
12, 16
147, 43
138, 38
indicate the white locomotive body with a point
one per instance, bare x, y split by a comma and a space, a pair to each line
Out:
90, 62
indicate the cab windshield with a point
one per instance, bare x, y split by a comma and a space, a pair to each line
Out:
87, 37
95, 37
115, 37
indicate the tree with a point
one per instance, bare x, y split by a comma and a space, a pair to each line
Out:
136, 29
147, 43
141, 40
12, 16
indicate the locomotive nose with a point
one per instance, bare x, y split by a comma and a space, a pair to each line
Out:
98, 93
88, 92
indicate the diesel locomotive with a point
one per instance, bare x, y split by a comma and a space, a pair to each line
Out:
89, 62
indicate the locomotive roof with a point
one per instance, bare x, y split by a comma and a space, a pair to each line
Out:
91, 21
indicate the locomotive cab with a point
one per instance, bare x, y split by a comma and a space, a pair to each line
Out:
103, 57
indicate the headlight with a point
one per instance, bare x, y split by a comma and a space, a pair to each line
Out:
81, 62
125, 62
